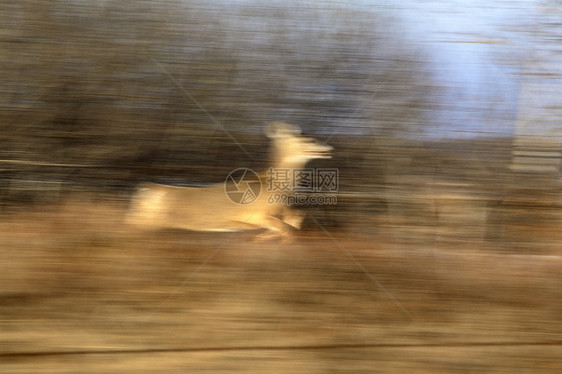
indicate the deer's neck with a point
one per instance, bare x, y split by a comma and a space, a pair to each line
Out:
283, 169
280, 160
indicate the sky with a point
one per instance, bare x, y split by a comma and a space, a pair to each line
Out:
488, 59
476, 51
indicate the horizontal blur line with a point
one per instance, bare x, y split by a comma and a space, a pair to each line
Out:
537, 154
34, 181
39, 163
537, 160
523, 148
539, 147
535, 168
528, 164
474, 41
281, 348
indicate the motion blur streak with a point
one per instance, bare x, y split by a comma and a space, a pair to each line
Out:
445, 122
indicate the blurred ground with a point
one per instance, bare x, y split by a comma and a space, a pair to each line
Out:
81, 292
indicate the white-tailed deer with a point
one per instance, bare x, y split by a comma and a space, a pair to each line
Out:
211, 209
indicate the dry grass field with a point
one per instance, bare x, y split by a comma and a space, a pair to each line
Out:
82, 293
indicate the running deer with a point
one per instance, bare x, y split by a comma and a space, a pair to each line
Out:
212, 208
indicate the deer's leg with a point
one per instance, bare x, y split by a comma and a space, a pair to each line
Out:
293, 217
147, 208
276, 228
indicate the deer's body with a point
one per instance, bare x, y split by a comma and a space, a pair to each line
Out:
211, 209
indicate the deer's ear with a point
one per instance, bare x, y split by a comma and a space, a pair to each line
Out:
275, 130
